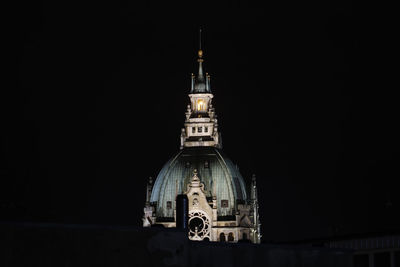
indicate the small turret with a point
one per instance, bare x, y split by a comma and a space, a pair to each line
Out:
192, 79
253, 191
256, 232
148, 217
208, 89
148, 191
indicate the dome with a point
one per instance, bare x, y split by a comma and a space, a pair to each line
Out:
216, 172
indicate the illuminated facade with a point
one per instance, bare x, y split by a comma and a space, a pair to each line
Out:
220, 206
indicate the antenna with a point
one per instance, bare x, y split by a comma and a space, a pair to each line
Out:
200, 38
200, 53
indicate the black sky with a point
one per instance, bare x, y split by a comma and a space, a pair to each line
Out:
94, 97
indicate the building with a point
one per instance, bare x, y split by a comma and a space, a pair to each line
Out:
220, 206
49, 245
381, 249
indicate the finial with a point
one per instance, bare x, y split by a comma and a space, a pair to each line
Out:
195, 177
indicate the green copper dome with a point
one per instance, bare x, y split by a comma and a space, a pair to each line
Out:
215, 170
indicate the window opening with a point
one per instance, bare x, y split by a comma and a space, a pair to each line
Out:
222, 237
230, 237
200, 105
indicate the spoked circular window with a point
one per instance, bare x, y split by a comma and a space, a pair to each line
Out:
199, 225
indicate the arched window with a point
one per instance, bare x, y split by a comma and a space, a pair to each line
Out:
222, 237
200, 105
230, 237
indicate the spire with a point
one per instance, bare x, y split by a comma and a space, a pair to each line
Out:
149, 189
254, 202
195, 181
195, 178
202, 132
253, 191
200, 84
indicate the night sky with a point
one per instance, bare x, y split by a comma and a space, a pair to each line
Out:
94, 95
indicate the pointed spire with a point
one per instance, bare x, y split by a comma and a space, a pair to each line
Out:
192, 85
201, 84
253, 191
200, 75
195, 181
208, 89
195, 178
149, 189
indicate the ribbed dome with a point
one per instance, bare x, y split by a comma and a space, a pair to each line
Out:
215, 170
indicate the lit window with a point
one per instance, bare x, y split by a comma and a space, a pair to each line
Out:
193, 129
200, 104
200, 129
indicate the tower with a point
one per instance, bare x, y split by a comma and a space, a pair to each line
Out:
201, 127
219, 207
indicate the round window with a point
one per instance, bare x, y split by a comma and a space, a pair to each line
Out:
199, 225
